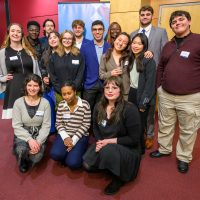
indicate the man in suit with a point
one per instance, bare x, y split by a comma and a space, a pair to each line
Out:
92, 52
157, 38
78, 30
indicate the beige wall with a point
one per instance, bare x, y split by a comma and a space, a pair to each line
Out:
125, 12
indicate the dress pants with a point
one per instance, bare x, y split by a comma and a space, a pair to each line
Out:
185, 109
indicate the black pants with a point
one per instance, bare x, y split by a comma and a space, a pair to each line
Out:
132, 97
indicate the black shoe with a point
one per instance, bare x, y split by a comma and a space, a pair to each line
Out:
157, 154
113, 187
183, 166
23, 166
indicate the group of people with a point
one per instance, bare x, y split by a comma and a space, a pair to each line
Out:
67, 84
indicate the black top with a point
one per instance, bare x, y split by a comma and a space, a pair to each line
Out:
31, 109
66, 68
18, 61
127, 130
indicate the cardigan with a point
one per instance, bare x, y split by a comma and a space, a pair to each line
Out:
3, 69
21, 119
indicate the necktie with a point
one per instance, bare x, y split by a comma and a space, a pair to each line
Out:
143, 31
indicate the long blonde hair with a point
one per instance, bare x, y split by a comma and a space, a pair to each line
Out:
74, 50
25, 44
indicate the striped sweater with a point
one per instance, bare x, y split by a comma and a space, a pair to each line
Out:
73, 124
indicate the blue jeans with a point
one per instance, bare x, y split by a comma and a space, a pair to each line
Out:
73, 158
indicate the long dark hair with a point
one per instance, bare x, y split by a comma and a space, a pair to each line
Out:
119, 104
124, 52
35, 78
139, 64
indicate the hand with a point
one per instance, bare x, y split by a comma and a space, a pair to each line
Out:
116, 72
148, 54
68, 143
141, 110
9, 77
34, 146
46, 80
101, 143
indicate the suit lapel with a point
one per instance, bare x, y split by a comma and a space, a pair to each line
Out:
151, 35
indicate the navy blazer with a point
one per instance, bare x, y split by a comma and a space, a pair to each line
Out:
91, 75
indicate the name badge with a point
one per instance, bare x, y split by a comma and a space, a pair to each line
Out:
40, 113
185, 54
75, 62
66, 116
103, 123
13, 58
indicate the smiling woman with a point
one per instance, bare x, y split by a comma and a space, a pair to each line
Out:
17, 59
31, 122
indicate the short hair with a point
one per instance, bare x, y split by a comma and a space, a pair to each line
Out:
98, 22
35, 23
146, 8
78, 22
69, 84
34, 78
48, 20
178, 13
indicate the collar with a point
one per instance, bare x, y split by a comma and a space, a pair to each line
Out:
100, 46
79, 103
147, 29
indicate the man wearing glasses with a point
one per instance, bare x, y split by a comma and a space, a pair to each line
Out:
92, 52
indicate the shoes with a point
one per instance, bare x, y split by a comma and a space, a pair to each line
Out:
157, 154
149, 143
182, 166
23, 166
113, 187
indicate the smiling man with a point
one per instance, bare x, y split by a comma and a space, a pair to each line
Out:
92, 52
78, 30
178, 83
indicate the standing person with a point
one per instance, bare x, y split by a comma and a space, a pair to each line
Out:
115, 61
17, 59
92, 52
78, 30
69, 67
72, 122
33, 29
31, 123
157, 38
142, 80
48, 27
113, 31
54, 46
116, 126
178, 83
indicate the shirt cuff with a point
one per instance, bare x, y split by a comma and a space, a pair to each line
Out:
63, 134
75, 139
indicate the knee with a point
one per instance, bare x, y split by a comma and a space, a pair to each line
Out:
73, 163
55, 155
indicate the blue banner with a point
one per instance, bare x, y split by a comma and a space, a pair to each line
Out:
88, 12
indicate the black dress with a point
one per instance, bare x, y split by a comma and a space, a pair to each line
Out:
123, 158
20, 64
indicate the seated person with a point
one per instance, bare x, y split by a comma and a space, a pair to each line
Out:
72, 122
116, 126
31, 122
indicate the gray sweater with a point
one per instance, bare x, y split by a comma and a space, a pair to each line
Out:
21, 118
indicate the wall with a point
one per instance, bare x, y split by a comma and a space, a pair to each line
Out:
3, 20
22, 11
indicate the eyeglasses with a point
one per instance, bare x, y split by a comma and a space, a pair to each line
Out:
67, 39
97, 29
34, 30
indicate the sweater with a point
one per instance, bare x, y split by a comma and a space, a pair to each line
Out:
179, 67
21, 119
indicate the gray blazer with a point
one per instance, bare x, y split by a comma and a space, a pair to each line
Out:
157, 39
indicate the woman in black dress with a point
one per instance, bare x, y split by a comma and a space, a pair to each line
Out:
116, 126
17, 59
